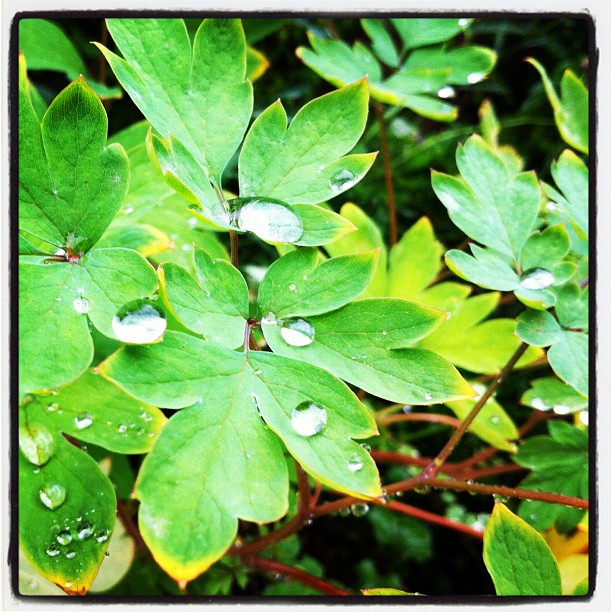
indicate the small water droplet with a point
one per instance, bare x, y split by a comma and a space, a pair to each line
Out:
551, 206
53, 407
83, 420
475, 77
36, 444
561, 409
406, 409
53, 550
446, 92
308, 419
366, 447
64, 537
292, 287
539, 404
359, 510
58, 299
84, 530
81, 305
129, 210
258, 372
70, 555
122, 428
342, 180
192, 221
428, 396
52, 495
384, 333
139, 322
584, 417
297, 332
495, 420
537, 279
269, 319
463, 22
102, 535
355, 463
344, 512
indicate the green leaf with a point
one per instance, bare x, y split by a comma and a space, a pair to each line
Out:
569, 359
414, 261
295, 285
57, 54
256, 64
184, 91
228, 393
543, 249
571, 109
366, 238
57, 299
421, 32
385, 592
382, 43
538, 328
465, 338
517, 557
31, 93
303, 164
320, 226
496, 209
70, 184
216, 305
145, 239
559, 464
97, 412
363, 343
553, 394
492, 424
488, 268
572, 177
66, 514
572, 306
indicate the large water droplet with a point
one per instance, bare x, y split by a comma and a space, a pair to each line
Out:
561, 409
83, 420
475, 77
271, 220
52, 495
84, 530
342, 180
297, 332
53, 550
355, 463
539, 404
64, 537
359, 509
36, 444
308, 419
446, 92
139, 322
81, 305
537, 279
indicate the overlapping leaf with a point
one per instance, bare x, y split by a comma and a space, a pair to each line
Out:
559, 464
313, 413
553, 394
517, 557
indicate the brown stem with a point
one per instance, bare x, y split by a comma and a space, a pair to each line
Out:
384, 145
303, 493
315, 496
130, 526
234, 248
400, 458
420, 416
431, 470
268, 565
494, 470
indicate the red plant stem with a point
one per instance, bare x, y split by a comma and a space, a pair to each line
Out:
420, 416
436, 519
130, 526
391, 457
234, 248
315, 496
268, 565
494, 470
384, 145
303, 493
431, 470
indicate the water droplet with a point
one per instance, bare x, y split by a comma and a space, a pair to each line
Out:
532, 517
342, 180
384, 333
539, 404
185, 247
192, 221
584, 417
308, 419
495, 420
81, 305
446, 92
53, 550
102, 535
139, 322
475, 77
463, 22
36, 444
355, 463
366, 447
407, 409
537, 279
129, 210
84, 530
53, 407
58, 299
344, 512
70, 555
269, 319
64, 537
551, 206
83, 420
297, 332
258, 372
52, 495
292, 287
561, 409
122, 428
359, 510
428, 396
501, 498
145, 416
272, 221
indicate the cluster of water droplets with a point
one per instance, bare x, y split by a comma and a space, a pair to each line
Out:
139, 322
537, 279
66, 536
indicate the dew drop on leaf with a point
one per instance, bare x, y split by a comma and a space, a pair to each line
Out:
70, 555
297, 332
84, 530
446, 92
36, 444
52, 495
428, 396
462, 23
537, 279
561, 409
538, 403
292, 287
139, 322
53, 407
81, 305
475, 77
102, 535
269, 319
83, 420
366, 447
495, 420
129, 210
359, 510
122, 428
355, 463
269, 220
308, 419
53, 550
342, 180
64, 537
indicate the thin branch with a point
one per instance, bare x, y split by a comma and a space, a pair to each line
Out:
303, 493
494, 470
268, 565
384, 145
431, 470
420, 416
234, 248
130, 526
